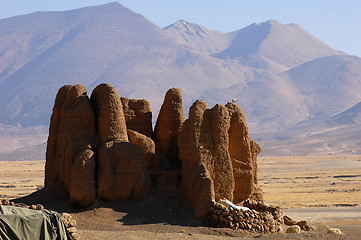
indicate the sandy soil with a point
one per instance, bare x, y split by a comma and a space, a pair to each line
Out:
317, 189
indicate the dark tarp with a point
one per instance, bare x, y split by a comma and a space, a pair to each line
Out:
18, 223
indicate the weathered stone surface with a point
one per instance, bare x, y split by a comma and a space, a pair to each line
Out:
243, 152
206, 165
293, 229
82, 186
169, 122
109, 114
122, 174
257, 194
334, 231
138, 115
240, 153
152, 159
87, 135
72, 130
289, 221
51, 166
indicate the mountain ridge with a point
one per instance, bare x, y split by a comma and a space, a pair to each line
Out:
287, 78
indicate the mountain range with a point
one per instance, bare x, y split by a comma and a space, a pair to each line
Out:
284, 78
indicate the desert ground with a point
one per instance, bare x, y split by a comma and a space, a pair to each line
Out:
323, 190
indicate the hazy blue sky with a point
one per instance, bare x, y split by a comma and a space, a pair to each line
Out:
336, 22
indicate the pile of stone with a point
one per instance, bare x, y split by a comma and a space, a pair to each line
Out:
7, 202
70, 224
264, 220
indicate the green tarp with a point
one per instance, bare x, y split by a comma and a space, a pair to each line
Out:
18, 223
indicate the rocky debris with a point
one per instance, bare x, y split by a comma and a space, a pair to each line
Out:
335, 231
261, 207
122, 172
293, 229
153, 160
206, 165
5, 202
302, 224
169, 123
111, 125
250, 220
138, 115
70, 224
35, 207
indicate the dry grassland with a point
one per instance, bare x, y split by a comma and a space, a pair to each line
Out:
20, 178
311, 181
312, 188
290, 182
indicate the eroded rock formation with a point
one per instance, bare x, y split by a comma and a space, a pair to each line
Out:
82, 184
169, 123
243, 153
102, 147
206, 165
153, 160
122, 173
71, 133
109, 114
79, 128
138, 115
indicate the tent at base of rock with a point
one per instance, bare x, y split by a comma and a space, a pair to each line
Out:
22, 223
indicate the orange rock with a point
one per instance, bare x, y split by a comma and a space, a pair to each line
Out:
82, 186
169, 122
122, 174
109, 114
153, 160
138, 115
206, 165
72, 130
244, 162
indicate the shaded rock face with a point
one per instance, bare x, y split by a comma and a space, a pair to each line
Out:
169, 122
72, 131
206, 165
138, 115
71, 139
122, 173
153, 160
82, 185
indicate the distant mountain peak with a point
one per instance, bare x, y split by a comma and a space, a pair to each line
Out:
202, 39
286, 44
185, 24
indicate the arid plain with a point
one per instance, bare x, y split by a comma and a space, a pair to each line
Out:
324, 190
